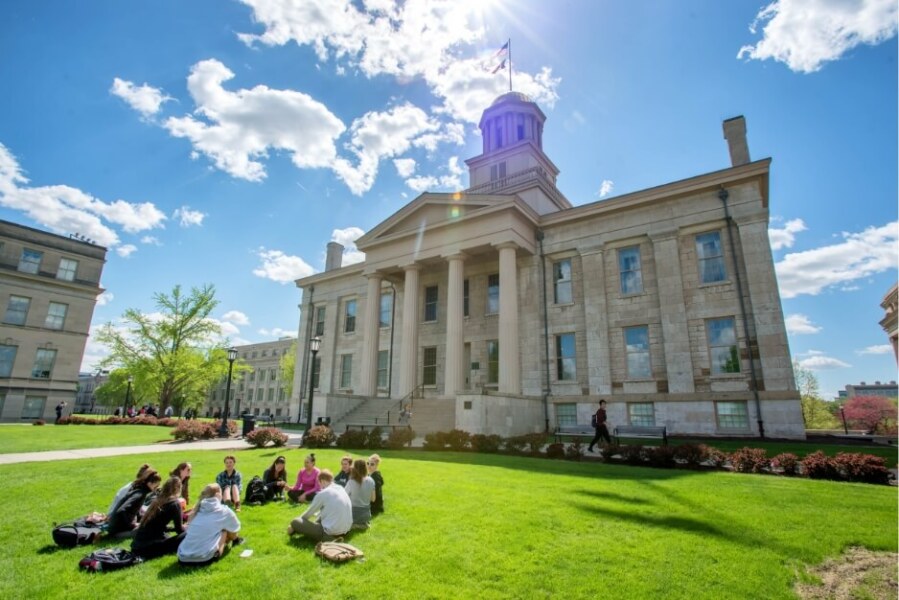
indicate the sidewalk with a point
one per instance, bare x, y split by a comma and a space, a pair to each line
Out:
217, 444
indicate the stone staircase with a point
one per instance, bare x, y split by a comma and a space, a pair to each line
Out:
373, 411
428, 415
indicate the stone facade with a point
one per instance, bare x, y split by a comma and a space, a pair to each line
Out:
515, 311
890, 321
48, 289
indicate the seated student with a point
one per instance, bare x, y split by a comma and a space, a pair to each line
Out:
307, 482
182, 472
275, 479
334, 510
374, 463
124, 489
361, 490
123, 519
346, 467
150, 540
211, 526
230, 482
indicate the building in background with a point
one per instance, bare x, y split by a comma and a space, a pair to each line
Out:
890, 305
887, 390
260, 391
506, 309
48, 289
85, 398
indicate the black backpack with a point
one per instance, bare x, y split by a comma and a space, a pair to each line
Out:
108, 559
256, 491
76, 533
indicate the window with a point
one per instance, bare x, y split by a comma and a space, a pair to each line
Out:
349, 316
386, 310
30, 262
43, 363
2, 394
67, 269
732, 416
271, 394
630, 270
252, 375
7, 359
710, 257
566, 415
465, 298
320, 320
723, 346
431, 303
281, 394
256, 411
16, 310
565, 357
492, 361
56, 315
562, 281
641, 413
261, 375
429, 370
383, 360
253, 355
492, 294
346, 370
249, 395
497, 171
499, 137
519, 128
273, 374
636, 342
316, 370
33, 408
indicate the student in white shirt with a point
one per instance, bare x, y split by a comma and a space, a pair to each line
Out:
211, 526
334, 510
361, 490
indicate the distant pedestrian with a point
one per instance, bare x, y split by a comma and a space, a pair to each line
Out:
59, 409
169, 411
599, 423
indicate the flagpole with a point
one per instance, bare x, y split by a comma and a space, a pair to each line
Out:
510, 63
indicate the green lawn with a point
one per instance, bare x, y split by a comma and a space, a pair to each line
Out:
471, 526
16, 438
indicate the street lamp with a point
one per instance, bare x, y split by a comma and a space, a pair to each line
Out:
128, 394
843, 416
223, 429
314, 344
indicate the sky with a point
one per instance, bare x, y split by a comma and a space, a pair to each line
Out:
228, 141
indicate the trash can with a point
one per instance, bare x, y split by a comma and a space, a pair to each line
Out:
326, 421
249, 423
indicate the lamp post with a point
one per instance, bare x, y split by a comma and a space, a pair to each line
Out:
223, 429
128, 394
314, 344
843, 416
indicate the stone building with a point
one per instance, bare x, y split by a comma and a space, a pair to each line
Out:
506, 309
890, 321
260, 391
48, 289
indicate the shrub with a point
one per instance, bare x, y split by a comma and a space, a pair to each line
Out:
189, 431
633, 455
693, 455
486, 443
661, 456
399, 438
818, 465
787, 463
556, 450
262, 436
609, 450
64, 421
865, 468
435, 441
574, 450
458, 440
375, 439
167, 422
714, 455
353, 438
143, 420
117, 421
534, 442
749, 460
320, 436
515, 444
40, 422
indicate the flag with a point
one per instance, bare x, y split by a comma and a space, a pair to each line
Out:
498, 67
500, 55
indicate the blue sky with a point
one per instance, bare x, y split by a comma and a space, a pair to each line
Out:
228, 142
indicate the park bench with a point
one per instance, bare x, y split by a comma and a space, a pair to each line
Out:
384, 428
574, 431
640, 431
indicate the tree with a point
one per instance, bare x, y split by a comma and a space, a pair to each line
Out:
874, 414
175, 355
113, 391
288, 365
815, 412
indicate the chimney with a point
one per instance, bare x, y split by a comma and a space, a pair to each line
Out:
735, 134
334, 258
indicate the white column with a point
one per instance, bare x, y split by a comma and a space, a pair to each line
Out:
509, 367
409, 342
371, 333
454, 324
673, 313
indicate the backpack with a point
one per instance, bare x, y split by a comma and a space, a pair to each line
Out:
256, 491
76, 533
337, 551
108, 559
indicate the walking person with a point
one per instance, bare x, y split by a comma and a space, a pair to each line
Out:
599, 422
59, 409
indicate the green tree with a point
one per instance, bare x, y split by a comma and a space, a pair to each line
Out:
288, 365
816, 412
175, 355
114, 390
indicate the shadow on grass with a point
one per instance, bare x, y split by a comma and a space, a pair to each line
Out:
615, 497
52, 549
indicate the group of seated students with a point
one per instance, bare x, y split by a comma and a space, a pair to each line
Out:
147, 509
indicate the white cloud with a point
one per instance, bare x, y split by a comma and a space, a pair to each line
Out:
605, 188
236, 317
227, 328
880, 349
805, 34
422, 183
785, 236
94, 351
188, 217
126, 251
278, 333
799, 324
822, 363
281, 267
150, 240
858, 256
451, 180
144, 99
404, 166
105, 298
347, 238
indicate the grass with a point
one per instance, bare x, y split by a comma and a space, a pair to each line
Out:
30, 438
471, 526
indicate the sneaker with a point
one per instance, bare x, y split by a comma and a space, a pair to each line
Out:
238, 541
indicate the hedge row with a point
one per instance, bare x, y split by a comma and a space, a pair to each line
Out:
322, 436
138, 420
189, 431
